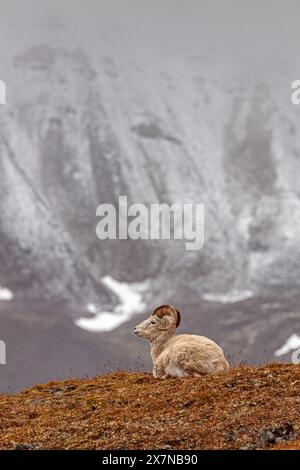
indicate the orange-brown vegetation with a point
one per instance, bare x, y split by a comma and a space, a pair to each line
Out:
248, 408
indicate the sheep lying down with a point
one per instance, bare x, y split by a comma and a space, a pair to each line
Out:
182, 355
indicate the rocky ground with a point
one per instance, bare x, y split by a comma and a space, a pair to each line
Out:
249, 408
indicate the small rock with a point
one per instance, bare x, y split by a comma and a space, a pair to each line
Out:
247, 447
71, 387
187, 404
139, 380
268, 437
229, 437
24, 447
276, 434
173, 442
37, 401
286, 429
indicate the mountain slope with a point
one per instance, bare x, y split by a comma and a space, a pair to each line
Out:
81, 130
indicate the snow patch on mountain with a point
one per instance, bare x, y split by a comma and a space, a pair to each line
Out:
130, 303
6, 294
292, 343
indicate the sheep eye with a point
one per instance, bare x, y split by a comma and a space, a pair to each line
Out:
152, 323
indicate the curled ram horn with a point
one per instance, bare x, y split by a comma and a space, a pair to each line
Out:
163, 310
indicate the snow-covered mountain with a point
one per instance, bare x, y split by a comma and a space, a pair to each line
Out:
78, 133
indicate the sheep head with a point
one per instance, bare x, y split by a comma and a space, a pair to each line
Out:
164, 318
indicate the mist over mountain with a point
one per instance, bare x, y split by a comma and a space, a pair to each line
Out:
76, 137
84, 125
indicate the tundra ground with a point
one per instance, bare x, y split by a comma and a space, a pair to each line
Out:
248, 408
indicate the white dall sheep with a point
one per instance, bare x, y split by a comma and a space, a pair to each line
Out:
182, 355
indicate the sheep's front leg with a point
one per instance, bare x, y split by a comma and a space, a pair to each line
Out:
158, 372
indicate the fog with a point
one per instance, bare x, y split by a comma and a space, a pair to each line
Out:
243, 34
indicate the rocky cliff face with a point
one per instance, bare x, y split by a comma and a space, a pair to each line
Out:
79, 132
